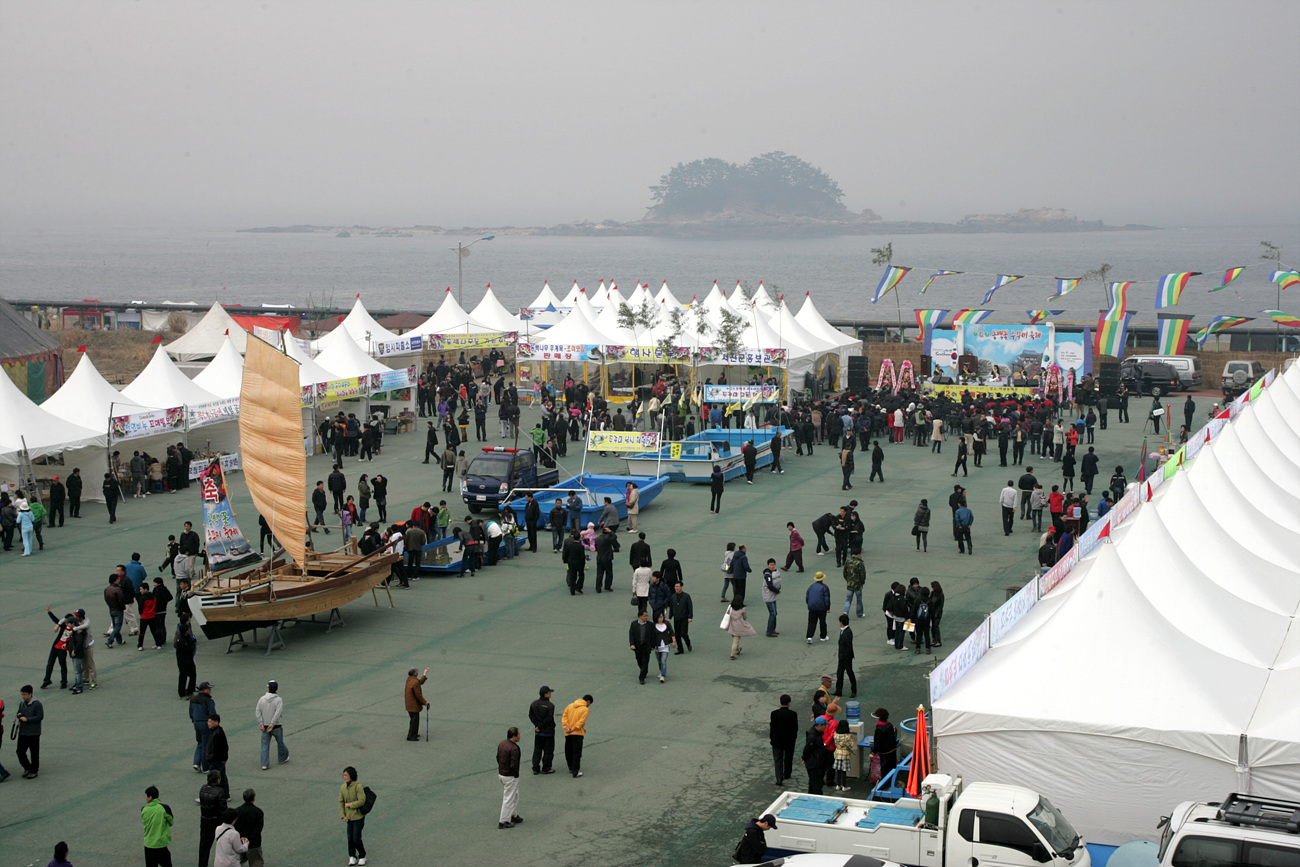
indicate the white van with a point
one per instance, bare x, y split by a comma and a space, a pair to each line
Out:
1188, 367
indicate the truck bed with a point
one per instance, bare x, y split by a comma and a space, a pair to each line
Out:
821, 823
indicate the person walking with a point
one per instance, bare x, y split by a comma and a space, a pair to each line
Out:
815, 757
541, 713
352, 796
783, 733
846, 467
185, 645
877, 462
430, 441
1088, 469
936, 612
508, 755
962, 520
157, 819
415, 702
201, 706
270, 715
212, 802
31, 715
769, 592
640, 636
845, 659
716, 481
1007, 499
574, 723
855, 577
218, 750
795, 554
606, 547
818, 599
740, 570
921, 526
1026, 485
227, 844
683, 611
664, 642
532, 517
111, 492
962, 452
738, 625
249, 821
75, 485
752, 846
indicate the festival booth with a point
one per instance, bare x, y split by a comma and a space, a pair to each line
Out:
366, 381
313, 383
1164, 667
29, 433
566, 348
813, 322
829, 357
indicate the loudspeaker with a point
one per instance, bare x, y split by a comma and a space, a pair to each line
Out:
859, 382
1108, 378
858, 364
944, 380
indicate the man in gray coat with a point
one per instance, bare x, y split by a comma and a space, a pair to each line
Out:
270, 715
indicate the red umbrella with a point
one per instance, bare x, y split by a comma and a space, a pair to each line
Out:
920, 767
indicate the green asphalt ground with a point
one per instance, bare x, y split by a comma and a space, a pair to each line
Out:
671, 771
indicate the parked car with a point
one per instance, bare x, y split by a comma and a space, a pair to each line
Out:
1188, 367
1155, 378
1239, 375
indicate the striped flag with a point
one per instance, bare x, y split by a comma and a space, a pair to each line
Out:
1111, 333
893, 275
1217, 324
927, 319
1281, 318
1117, 297
935, 276
1171, 288
1003, 280
1229, 276
1171, 331
1037, 316
970, 317
1064, 286
1286, 279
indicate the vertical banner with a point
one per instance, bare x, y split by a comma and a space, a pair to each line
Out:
227, 547
1172, 330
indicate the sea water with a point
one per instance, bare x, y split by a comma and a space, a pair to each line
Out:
411, 273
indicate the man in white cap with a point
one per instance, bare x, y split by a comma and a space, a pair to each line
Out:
270, 711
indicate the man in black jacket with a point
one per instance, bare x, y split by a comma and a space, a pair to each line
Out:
212, 806
749, 454
248, 824
218, 753
754, 844
845, 665
782, 734
74, 493
57, 494
541, 714
821, 527
319, 503
337, 484
532, 517
815, 756
558, 517
606, 546
683, 612
639, 554
430, 441
574, 557
641, 638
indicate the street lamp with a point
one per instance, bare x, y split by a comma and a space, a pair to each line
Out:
462, 250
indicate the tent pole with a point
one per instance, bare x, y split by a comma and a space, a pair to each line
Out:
663, 416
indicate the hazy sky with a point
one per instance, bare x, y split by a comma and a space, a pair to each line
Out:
535, 113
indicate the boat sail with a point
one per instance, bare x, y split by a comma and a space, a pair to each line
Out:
297, 581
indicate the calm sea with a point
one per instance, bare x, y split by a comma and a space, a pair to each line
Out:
410, 273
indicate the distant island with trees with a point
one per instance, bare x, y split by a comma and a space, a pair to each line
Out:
774, 195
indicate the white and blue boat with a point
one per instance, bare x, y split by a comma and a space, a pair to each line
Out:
698, 453
592, 489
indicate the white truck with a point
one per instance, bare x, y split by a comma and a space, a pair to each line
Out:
1242, 831
951, 824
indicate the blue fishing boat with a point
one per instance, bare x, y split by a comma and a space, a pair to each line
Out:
695, 456
592, 489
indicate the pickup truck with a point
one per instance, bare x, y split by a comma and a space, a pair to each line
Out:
494, 474
1242, 831
949, 825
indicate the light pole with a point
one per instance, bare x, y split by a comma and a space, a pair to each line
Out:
462, 250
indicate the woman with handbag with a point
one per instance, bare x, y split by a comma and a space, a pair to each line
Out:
726, 570
737, 624
921, 526
884, 745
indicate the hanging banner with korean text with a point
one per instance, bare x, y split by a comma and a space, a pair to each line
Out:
205, 414
227, 548
733, 393
392, 380
622, 441
557, 352
650, 354
143, 424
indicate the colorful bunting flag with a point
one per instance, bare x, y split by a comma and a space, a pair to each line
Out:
893, 274
1171, 288
936, 275
1037, 316
1003, 280
1117, 297
970, 317
1171, 331
927, 319
1112, 332
1229, 276
1064, 286
1280, 318
1286, 279
1217, 324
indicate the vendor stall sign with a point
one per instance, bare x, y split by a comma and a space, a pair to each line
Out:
745, 393
557, 352
401, 346
649, 354
622, 441
392, 380
229, 464
485, 340
343, 389
205, 414
960, 661
226, 545
1010, 612
755, 357
143, 424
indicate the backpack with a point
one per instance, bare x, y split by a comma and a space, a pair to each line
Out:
923, 612
369, 803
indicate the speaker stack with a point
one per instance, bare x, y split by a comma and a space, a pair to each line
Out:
859, 373
1108, 378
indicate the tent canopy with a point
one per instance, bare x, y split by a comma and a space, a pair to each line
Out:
205, 338
162, 384
88, 400
44, 433
359, 326
347, 360
493, 314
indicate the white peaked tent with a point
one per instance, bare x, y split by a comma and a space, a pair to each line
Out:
640, 295
88, 400
763, 299
737, 300
572, 297
346, 360
204, 340
582, 304
43, 432
224, 374
810, 318
1166, 667
787, 324
665, 295
606, 323
362, 328
713, 302
601, 296
545, 298
162, 384
449, 318
614, 297
541, 318
492, 313
310, 372
577, 328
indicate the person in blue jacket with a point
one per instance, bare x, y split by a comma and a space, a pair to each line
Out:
818, 598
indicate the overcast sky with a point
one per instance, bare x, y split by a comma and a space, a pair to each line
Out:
536, 113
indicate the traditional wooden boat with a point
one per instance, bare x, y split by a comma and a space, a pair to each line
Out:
297, 582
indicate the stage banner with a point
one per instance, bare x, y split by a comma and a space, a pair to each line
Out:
392, 380
941, 345
1071, 352
229, 464
227, 548
205, 414
342, 389
143, 424
1007, 351
650, 354
484, 340
756, 357
734, 393
401, 346
960, 661
983, 390
557, 352
622, 441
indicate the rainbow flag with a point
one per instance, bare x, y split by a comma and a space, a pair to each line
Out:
935, 276
893, 275
1117, 297
1003, 280
1037, 316
1286, 279
1064, 286
1217, 324
1112, 332
1229, 276
927, 319
970, 317
1172, 330
1171, 288
1282, 318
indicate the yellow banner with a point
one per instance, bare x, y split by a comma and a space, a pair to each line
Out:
983, 390
622, 441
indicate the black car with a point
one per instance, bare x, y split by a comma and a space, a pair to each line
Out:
1152, 377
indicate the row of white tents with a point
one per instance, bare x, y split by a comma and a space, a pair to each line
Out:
1166, 667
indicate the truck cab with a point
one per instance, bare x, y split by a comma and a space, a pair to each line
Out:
996, 825
496, 472
1242, 831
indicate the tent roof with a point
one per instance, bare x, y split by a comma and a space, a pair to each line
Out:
571, 298
576, 328
450, 317
87, 399
162, 384
760, 335
19, 337
205, 338
43, 432
224, 374
811, 319
491, 312
713, 302
309, 372
606, 323
665, 294
357, 324
545, 297
785, 324
737, 300
764, 299
347, 359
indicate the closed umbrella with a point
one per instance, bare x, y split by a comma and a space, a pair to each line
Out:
920, 766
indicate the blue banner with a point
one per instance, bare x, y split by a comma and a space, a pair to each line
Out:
227, 547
